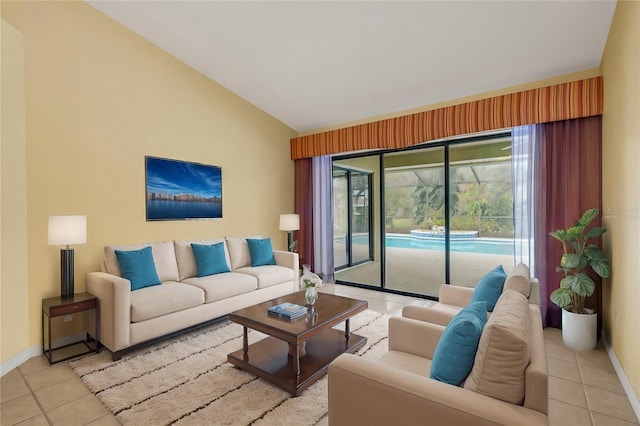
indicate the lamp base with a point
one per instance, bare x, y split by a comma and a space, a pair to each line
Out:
290, 240
66, 273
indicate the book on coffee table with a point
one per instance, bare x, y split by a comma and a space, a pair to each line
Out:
288, 310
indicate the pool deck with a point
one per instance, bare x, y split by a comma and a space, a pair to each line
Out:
422, 271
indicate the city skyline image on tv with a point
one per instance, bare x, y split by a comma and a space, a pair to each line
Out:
182, 190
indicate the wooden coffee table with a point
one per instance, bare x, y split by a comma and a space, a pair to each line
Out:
298, 352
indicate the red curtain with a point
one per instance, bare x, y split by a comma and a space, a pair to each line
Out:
303, 204
569, 182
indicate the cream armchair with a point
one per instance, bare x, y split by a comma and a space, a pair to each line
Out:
452, 298
397, 389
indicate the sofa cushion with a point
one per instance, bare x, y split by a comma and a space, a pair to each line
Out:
503, 353
489, 288
187, 267
222, 286
261, 251
519, 280
169, 297
456, 349
239, 252
164, 257
210, 259
268, 275
137, 266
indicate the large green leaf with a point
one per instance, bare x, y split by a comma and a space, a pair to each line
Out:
567, 281
575, 232
595, 232
592, 251
569, 261
601, 267
588, 216
561, 297
598, 261
582, 264
559, 235
583, 285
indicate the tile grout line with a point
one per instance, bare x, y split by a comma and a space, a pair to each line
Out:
35, 398
591, 410
584, 389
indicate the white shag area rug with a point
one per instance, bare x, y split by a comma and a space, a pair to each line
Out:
188, 381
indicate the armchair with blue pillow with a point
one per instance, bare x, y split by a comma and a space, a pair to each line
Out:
452, 298
459, 365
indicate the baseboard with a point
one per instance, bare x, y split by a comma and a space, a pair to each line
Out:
626, 385
35, 351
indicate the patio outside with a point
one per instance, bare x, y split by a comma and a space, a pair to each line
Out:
422, 271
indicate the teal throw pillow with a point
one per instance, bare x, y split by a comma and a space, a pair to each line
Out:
210, 259
138, 267
261, 252
489, 288
457, 347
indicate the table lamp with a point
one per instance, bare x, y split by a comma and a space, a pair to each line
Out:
66, 230
290, 222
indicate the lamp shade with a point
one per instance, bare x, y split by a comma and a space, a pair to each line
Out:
65, 230
289, 222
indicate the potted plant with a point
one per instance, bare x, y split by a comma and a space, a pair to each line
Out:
579, 324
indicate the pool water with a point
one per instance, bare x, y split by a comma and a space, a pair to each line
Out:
472, 245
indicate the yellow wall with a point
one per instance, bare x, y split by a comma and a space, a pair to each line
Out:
620, 68
98, 99
14, 285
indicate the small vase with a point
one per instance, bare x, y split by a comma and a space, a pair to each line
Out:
311, 295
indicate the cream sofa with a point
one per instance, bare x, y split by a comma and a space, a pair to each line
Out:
507, 384
183, 300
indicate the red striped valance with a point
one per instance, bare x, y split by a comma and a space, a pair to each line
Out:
564, 101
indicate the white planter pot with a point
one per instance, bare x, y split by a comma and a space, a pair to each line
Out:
579, 331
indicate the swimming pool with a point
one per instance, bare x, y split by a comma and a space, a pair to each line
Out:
471, 245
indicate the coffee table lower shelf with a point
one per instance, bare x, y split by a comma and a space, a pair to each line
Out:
269, 358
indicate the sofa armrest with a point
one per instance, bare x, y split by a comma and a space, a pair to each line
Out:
114, 294
414, 337
290, 260
455, 295
364, 392
536, 374
421, 313
534, 295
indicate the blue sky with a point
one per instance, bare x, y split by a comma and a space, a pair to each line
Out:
179, 177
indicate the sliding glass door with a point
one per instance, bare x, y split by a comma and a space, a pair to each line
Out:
412, 220
356, 236
481, 209
414, 206
340, 218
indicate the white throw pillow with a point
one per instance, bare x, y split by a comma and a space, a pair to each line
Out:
239, 253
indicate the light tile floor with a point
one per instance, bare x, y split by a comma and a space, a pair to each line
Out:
583, 387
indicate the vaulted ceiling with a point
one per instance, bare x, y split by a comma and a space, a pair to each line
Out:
313, 64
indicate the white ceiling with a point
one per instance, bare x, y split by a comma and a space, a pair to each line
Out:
313, 64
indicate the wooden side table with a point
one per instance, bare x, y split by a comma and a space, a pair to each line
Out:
56, 307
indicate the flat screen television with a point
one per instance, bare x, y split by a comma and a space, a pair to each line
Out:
182, 190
